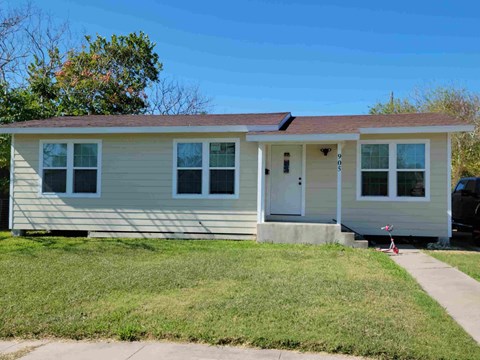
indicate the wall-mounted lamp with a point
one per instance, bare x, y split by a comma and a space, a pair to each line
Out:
325, 151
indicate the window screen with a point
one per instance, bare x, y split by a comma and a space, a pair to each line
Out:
85, 162
411, 170
222, 168
54, 177
374, 169
189, 168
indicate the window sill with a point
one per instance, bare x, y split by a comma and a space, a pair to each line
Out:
206, 197
393, 199
59, 196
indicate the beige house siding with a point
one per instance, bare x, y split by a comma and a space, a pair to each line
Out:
366, 217
321, 184
136, 190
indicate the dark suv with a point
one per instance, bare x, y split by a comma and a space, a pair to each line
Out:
466, 205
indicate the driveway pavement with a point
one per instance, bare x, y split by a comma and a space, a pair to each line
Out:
71, 350
457, 292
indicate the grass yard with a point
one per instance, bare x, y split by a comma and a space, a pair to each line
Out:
315, 298
466, 261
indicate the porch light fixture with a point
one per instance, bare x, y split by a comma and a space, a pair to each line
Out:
325, 151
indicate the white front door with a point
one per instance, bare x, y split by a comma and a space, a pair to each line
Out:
286, 180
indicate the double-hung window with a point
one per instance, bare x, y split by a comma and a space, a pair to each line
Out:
206, 168
375, 164
395, 170
411, 170
70, 168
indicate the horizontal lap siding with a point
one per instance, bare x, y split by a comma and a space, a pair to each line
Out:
136, 191
321, 182
409, 218
366, 217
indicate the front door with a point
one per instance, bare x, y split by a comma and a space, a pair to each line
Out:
286, 180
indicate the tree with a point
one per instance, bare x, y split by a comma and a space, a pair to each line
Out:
13, 49
394, 106
27, 32
16, 104
456, 102
43, 73
169, 97
104, 77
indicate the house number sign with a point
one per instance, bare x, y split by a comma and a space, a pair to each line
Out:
339, 162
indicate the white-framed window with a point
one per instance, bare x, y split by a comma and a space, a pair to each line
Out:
70, 168
393, 170
206, 168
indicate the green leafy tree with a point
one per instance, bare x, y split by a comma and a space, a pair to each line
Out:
457, 102
104, 77
393, 106
17, 104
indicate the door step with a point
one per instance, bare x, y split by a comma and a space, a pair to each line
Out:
306, 233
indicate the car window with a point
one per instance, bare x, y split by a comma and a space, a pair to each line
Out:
461, 185
470, 186
478, 187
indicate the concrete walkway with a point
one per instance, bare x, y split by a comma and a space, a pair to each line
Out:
78, 350
457, 292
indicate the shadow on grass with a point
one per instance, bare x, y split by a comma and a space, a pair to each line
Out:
77, 244
136, 244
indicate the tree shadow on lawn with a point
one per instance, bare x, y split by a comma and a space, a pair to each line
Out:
71, 242
5, 236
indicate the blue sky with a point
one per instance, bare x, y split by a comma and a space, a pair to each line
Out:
307, 57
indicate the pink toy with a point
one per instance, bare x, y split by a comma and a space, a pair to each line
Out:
393, 247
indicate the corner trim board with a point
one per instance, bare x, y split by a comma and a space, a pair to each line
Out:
449, 184
12, 180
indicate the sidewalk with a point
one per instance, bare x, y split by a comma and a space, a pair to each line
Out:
79, 350
457, 292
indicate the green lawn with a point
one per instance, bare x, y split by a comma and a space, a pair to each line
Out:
466, 261
317, 298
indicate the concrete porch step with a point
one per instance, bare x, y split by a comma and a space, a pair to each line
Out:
306, 233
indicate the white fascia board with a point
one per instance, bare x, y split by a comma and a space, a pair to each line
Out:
12, 181
417, 129
140, 129
251, 128
302, 137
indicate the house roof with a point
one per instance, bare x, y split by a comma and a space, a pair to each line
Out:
353, 123
273, 120
349, 127
258, 126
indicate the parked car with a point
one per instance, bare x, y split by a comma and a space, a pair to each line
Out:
466, 205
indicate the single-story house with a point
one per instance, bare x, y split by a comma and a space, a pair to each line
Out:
270, 176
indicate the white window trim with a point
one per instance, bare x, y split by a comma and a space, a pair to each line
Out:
70, 168
206, 169
392, 171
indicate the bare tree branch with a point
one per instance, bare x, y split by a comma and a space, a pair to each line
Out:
13, 47
170, 97
28, 33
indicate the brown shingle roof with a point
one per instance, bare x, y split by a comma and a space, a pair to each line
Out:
348, 124
152, 120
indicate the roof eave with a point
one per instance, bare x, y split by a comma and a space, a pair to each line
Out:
301, 137
417, 129
138, 129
